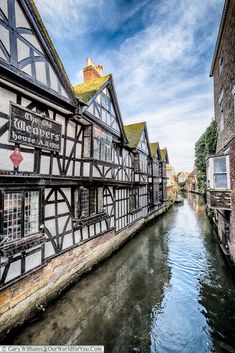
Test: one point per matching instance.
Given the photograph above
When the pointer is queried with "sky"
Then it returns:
(159, 53)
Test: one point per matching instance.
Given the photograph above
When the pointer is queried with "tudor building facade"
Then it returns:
(221, 166)
(70, 171)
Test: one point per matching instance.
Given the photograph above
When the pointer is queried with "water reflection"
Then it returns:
(168, 290)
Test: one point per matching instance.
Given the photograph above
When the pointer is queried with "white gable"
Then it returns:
(20, 47)
(103, 109)
(143, 144)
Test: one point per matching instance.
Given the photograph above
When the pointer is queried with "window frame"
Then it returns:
(211, 172)
(40, 214)
(134, 193)
(78, 207)
(102, 145)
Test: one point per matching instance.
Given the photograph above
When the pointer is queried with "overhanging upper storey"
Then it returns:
(101, 104)
(27, 52)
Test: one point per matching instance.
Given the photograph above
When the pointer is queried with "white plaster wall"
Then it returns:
(14, 270)
(6, 97)
(32, 261)
(45, 165)
(41, 72)
(27, 163)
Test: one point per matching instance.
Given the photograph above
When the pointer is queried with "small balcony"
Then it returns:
(218, 182)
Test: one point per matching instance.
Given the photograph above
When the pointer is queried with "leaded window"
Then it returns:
(20, 214)
(88, 201)
(143, 163)
(134, 199)
(102, 145)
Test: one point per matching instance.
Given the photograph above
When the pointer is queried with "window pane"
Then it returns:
(100, 200)
(92, 200)
(12, 216)
(220, 165)
(96, 153)
(31, 212)
(109, 153)
(220, 181)
(77, 204)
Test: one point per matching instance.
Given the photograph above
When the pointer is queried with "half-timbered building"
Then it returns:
(75, 183)
(154, 176)
(163, 175)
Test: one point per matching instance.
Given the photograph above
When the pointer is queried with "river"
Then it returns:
(167, 290)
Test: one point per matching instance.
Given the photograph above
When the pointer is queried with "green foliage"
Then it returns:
(205, 146)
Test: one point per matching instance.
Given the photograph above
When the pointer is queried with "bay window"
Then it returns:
(102, 146)
(21, 216)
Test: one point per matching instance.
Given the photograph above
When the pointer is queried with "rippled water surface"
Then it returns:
(168, 290)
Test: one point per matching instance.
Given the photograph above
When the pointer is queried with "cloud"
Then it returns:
(160, 70)
(162, 75)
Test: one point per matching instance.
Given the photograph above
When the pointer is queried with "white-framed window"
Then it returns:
(21, 214)
(218, 173)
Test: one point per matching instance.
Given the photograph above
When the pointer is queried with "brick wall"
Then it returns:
(225, 81)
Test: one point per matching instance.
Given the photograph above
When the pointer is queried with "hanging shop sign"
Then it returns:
(29, 128)
(16, 157)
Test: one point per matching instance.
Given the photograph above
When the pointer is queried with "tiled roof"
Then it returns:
(133, 133)
(86, 90)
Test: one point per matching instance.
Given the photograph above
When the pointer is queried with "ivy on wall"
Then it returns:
(205, 146)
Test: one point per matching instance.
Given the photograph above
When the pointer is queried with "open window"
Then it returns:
(218, 173)
(21, 214)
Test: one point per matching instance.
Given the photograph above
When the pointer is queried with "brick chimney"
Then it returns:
(90, 72)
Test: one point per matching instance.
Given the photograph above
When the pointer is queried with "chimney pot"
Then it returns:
(90, 72)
